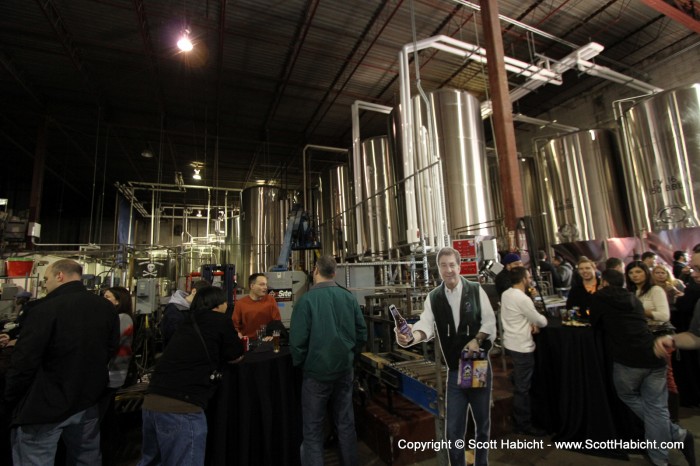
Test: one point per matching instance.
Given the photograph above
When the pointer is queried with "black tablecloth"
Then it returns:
(255, 417)
(572, 390)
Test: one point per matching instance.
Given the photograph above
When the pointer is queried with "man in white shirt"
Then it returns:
(520, 321)
(460, 313)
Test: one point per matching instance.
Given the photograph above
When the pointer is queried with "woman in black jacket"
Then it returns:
(174, 423)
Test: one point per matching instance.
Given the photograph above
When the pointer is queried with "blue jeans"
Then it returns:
(314, 399)
(644, 392)
(173, 439)
(36, 443)
(523, 368)
(457, 402)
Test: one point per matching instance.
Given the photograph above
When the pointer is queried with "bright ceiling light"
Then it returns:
(147, 154)
(184, 43)
(199, 213)
(196, 175)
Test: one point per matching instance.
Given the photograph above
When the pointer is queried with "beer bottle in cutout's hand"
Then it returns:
(401, 324)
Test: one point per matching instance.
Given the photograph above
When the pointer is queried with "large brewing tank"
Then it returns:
(336, 212)
(379, 197)
(662, 137)
(406, 223)
(532, 200)
(581, 186)
(233, 241)
(263, 220)
(458, 142)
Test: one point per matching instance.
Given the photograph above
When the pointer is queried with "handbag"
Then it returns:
(215, 375)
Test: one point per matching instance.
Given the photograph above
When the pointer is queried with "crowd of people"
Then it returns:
(73, 352)
(630, 303)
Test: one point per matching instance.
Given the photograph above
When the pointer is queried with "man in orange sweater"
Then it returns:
(256, 309)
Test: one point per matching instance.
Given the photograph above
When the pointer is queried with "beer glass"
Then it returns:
(276, 341)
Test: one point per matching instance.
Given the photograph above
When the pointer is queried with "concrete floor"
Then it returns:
(689, 419)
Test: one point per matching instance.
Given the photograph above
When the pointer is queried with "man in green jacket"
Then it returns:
(327, 331)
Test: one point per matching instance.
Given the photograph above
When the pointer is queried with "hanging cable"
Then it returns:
(94, 172)
(101, 208)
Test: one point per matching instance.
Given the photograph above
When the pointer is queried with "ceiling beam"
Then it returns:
(365, 41)
(303, 27)
(675, 14)
(56, 20)
(151, 56)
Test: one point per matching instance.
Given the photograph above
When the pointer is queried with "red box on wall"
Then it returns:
(468, 268)
(466, 247)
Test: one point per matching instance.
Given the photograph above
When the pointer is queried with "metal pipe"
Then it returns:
(539, 122)
(153, 213)
(208, 211)
(517, 23)
(357, 161)
(303, 163)
(611, 75)
(131, 220)
(144, 185)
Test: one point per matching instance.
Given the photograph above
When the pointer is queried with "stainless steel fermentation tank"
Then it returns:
(581, 186)
(662, 138)
(379, 198)
(453, 188)
(263, 220)
(333, 206)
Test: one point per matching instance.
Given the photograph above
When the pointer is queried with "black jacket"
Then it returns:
(182, 372)
(59, 366)
(579, 296)
(502, 282)
(621, 316)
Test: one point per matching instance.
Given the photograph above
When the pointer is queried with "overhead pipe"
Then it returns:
(357, 161)
(567, 63)
(611, 75)
(303, 162)
(538, 122)
(578, 59)
(156, 186)
(467, 51)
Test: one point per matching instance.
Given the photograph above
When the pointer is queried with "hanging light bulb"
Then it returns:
(199, 213)
(184, 43)
(196, 175)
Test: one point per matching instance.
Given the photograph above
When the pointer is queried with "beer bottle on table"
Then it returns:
(401, 324)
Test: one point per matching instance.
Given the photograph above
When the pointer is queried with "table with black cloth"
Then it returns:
(255, 417)
(572, 389)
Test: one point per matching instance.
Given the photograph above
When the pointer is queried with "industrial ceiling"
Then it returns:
(95, 83)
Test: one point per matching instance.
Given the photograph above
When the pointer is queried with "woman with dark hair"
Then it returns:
(119, 365)
(653, 297)
(110, 435)
(184, 380)
(656, 308)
